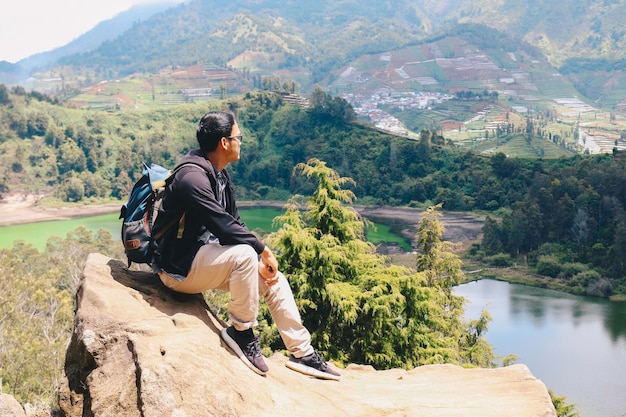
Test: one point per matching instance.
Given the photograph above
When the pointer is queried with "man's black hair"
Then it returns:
(212, 127)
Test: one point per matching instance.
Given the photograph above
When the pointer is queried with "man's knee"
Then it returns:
(280, 289)
(249, 252)
(247, 256)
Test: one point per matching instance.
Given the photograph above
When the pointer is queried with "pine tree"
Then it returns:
(358, 307)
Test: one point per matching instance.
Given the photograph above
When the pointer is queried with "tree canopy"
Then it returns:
(37, 307)
(360, 308)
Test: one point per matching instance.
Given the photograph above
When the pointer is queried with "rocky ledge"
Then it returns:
(138, 349)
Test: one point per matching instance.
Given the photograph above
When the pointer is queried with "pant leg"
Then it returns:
(285, 314)
(233, 268)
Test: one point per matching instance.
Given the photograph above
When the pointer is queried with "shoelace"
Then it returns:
(252, 348)
(317, 362)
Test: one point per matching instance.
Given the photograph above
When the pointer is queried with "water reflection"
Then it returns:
(578, 310)
(522, 303)
(615, 319)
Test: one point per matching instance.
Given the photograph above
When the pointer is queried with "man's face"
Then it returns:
(234, 144)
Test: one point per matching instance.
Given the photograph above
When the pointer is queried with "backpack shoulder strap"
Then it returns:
(186, 164)
(159, 186)
(181, 219)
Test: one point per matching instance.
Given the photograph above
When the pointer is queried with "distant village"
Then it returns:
(370, 108)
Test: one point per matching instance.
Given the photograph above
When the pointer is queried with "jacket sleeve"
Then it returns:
(195, 190)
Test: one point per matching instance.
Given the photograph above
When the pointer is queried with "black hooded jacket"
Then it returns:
(192, 192)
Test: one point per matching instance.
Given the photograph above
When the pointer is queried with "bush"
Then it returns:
(72, 190)
(474, 250)
(600, 288)
(585, 278)
(570, 269)
(548, 265)
(499, 260)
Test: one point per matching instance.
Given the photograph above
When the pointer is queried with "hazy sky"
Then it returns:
(31, 26)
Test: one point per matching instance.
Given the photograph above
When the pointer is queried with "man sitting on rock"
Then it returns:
(215, 250)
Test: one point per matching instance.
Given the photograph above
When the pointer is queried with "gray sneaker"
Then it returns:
(246, 346)
(312, 365)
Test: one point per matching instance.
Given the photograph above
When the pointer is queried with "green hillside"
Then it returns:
(562, 30)
(568, 210)
(308, 42)
(413, 48)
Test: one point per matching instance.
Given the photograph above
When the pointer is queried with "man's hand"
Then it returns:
(268, 267)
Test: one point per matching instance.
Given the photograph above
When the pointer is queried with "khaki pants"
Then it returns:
(235, 269)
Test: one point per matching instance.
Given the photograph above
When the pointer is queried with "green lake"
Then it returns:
(37, 234)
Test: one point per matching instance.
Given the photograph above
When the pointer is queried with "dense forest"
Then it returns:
(565, 217)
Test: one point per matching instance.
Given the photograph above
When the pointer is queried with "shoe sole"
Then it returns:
(237, 351)
(307, 370)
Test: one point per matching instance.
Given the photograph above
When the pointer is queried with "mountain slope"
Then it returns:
(291, 35)
(562, 30)
(571, 28)
(308, 41)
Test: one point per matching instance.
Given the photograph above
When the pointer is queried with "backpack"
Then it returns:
(140, 212)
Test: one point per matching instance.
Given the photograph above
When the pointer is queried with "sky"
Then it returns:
(28, 27)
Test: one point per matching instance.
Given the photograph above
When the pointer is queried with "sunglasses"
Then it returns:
(238, 137)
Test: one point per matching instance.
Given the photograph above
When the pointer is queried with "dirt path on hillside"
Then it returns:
(459, 227)
(24, 209)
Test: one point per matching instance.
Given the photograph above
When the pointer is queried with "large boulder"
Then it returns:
(9, 407)
(137, 349)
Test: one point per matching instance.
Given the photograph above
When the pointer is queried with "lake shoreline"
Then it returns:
(25, 209)
(460, 227)
(23, 213)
